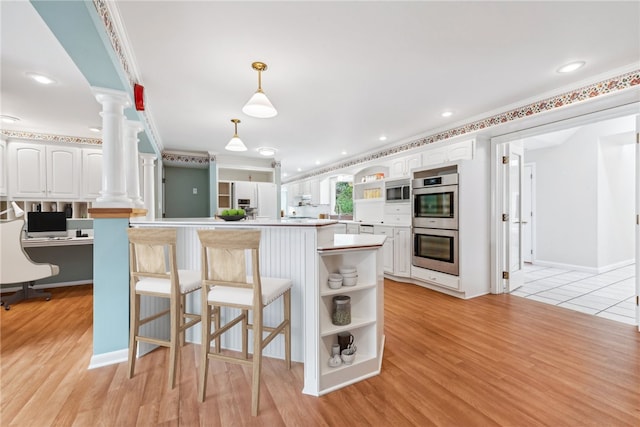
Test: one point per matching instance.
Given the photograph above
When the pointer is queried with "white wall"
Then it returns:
(574, 181)
(616, 197)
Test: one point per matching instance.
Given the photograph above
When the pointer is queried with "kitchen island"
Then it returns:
(305, 251)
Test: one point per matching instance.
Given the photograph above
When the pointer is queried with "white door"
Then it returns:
(527, 213)
(513, 169)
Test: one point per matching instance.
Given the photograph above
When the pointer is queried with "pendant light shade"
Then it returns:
(235, 144)
(259, 105)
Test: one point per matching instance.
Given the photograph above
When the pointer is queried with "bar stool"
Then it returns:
(154, 272)
(225, 283)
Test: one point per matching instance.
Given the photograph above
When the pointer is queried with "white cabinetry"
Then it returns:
(448, 153)
(325, 192)
(44, 171)
(387, 248)
(91, 172)
(402, 251)
(396, 250)
(366, 326)
(402, 167)
(3, 168)
(397, 214)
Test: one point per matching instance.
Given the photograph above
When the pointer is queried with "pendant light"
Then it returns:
(235, 144)
(259, 105)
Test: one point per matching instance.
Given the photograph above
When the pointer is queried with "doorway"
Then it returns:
(582, 229)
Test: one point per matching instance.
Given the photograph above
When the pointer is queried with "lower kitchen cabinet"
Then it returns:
(387, 248)
(402, 251)
(396, 250)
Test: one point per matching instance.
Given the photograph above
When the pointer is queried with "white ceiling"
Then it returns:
(341, 74)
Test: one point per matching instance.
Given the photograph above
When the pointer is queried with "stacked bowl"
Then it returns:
(335, 281)
(349, 275)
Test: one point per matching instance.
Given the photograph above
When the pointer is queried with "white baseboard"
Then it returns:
(111, 358)
(592, 270)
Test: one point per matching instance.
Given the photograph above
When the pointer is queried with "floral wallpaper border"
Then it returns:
(614, 84)
(45, 137)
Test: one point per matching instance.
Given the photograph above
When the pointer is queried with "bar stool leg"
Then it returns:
(134, 326)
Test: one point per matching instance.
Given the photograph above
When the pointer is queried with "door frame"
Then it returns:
(532, 202)
(497, 247)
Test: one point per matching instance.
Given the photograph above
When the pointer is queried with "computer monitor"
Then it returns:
(46, 224)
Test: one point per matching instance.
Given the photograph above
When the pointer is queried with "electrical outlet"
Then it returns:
(195, 190)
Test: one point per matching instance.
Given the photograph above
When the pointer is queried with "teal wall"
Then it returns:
(180, 202)
(110, 285)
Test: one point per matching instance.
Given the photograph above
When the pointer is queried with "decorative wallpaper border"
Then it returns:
(187, 160)
(614, 84)
(45, 137)
(104, 11)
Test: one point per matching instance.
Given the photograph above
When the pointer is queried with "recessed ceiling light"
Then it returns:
(299, 169)
(343, 152)
(41, 78)
(9, 119)
(267, 151)
(285, 174)
(317, 162)
(447, 114)
(95, 129)
(571, 67)
(383, 138)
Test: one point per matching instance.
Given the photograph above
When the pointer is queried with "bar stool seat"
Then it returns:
(189, 281)
(272, 289)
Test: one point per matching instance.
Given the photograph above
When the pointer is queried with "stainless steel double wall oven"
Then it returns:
(435, 223)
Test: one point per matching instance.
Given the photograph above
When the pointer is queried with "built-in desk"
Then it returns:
(38, 242)
(73, 255)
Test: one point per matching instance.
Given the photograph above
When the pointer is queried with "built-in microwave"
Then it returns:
(398, 191)
(435, 202)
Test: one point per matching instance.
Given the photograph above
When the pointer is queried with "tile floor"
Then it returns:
(610, 295)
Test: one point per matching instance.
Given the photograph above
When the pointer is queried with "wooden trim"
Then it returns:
(117, 212)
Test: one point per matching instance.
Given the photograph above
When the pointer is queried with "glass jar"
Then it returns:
(341, 310)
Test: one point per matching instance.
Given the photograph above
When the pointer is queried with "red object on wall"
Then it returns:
(138, 96)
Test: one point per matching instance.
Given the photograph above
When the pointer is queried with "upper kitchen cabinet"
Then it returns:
(91, 172)
(320, 190)
(3, 167)
(44, 171)
(402, 167)
(448, 153)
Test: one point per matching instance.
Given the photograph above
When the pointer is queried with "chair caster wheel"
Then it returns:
(6, 307)
(48, 299)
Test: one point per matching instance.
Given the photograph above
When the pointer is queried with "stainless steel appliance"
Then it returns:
(435, 202)
(436, 249)
(397, 191)
(435, 223)
(249, 211)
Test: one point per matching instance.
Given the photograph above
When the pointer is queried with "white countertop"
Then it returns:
(353, 241)
(280, 222)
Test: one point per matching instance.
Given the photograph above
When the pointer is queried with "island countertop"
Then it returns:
(218, 222)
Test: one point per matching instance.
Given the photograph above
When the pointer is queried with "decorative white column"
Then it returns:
(148, 170)
(131, 130)
(113, 193)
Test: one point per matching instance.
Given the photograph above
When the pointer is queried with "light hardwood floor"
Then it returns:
(492, 360)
